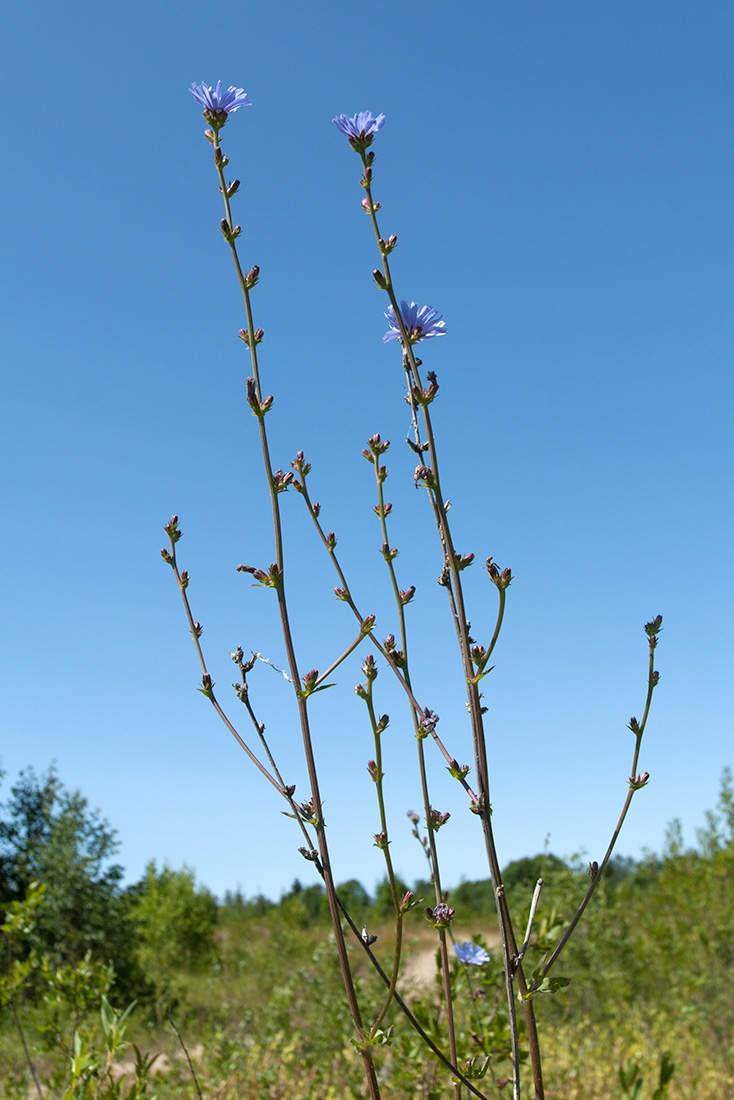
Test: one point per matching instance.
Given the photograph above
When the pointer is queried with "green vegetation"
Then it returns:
(254, 990)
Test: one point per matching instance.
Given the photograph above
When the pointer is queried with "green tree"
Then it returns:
(354, 898)
(175, 921)
(49, 835)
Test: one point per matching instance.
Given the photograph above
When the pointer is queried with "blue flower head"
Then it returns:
(360, 129)
(217, 103)
(471, 953)
(420, 323)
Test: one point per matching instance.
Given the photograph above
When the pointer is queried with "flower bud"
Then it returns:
(379, 279)
(406, 901)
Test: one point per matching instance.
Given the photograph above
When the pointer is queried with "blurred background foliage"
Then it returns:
(254, 989)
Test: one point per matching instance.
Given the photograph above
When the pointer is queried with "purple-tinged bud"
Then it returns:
(224, 227)
(369, 668)
(368, 455)
(166, 556)
(413, 816)
(171, 529)
(381, 840)
(251, 389)
(360, 690)
(367, 624)
(501, 580)
(634, 725)
(424, 474)
(654, 627)
(289, 790)
(184, 580)
(457, 770)
(308, 810)
(300, 465)
(392, 240)
(281, 481)
(316, 508)
(593, 870)
(198, 630)
(389, 643)
(379, 279)
(207, 686)
(655, 679)
(463, 561)
(330, 540)
(309, 680)
(406, 901)
(340, 593)
(372, 769)
(381, 474)
(233, 188)
(376, 444)
(640, 782)
(407, 595)
(382, 724)
(389, 553)
(209, 135)
(252, 277)
(437, 819)
(373, 208)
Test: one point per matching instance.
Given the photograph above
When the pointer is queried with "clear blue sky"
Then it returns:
(560, 180)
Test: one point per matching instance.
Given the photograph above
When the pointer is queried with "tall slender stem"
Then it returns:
(279, 584)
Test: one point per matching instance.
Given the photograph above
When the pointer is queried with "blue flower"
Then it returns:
(421, 323)
(360, 129)
(471, 953)
(216, 101)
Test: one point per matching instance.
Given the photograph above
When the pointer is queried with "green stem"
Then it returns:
(435, 873)
(293, 667)
(509, 946)
(651, 683)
